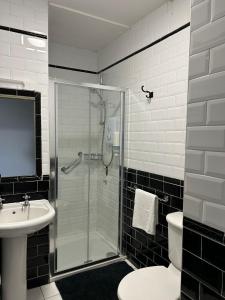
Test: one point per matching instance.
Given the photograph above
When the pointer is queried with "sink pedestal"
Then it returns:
(14, 268)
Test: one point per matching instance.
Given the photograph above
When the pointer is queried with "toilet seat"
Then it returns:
(151, 283)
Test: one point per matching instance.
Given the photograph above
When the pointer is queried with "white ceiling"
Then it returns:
(92, 24)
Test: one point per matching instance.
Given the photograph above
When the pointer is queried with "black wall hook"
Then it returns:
(149, 95)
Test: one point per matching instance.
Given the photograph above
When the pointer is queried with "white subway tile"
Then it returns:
(216, 112)
(195, 2)
(206, 138)
(194, 161)
(213, 215)
(217, 59)
(199, 64)
(205, 188)
(192, 208)
(208, 36)
(200, 14)
(215, 164)
(196, 114)
(218, 9)
(207, 87)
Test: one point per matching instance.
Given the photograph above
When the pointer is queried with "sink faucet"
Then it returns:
(26, 200)
(1, 202)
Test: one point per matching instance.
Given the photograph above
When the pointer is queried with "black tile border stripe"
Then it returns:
(126, 57)
(147, 46)
(30, 33)
(73, 69)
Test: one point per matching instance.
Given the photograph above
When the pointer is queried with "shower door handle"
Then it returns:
(73, 164)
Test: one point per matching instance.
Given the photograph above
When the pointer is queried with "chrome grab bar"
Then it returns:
(68, 168)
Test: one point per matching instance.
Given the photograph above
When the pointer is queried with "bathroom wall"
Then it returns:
(73, 58)
(155, 132)
(24, 57)
(24, 53)
(204, 199)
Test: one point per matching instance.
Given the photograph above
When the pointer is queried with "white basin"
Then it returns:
(17, 220)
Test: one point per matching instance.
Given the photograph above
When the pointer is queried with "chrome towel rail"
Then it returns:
(165, 199)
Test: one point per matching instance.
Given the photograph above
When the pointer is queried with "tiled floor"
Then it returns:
(45, 292)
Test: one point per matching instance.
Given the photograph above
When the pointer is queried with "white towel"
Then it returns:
(145, 211)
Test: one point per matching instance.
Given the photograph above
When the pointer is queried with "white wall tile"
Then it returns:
(217, 59)
(206, 138)
(218, 9)
(155, 135)
(194, 161)
(215, 164)
(195, 2)
(196, 114)
(193, 208)
(205, 188)
(200, 14)
(213, 215)
(19, 63)
(199, 64)
(216, 112)
(208, 36)
(207, 87)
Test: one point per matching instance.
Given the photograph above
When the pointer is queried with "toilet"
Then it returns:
(158, 283)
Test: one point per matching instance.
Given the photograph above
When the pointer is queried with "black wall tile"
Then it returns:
(192, 241)
(190, 286)
(214, 253)
(202, 271)
(208, 294)
(141, 248)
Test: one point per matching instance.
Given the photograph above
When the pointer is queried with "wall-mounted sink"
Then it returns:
(16, 222)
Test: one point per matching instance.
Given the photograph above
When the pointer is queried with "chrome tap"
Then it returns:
(26, 200)
(1, 202)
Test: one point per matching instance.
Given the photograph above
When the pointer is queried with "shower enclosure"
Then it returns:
(86, 158)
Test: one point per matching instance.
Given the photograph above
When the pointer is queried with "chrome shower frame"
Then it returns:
(53, 192)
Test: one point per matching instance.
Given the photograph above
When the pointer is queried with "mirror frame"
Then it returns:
(36, 97)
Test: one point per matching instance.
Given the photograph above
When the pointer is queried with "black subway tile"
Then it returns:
(156, 184)
(25, 187)
(192, 242)
(172, 180)
(156, 176)
(214, 253)
(43, 185)
(204, 230)
(202, 271)
(6, 188)
(190, 286)
(172, 189)
(143, 180)
(208, 294)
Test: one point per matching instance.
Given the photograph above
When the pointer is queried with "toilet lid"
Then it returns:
(152, 283)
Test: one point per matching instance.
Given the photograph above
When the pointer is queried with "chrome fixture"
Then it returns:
(1, 202)
(165, 198)
(26, 200)
(73, 164)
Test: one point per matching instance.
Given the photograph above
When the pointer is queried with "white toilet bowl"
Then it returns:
(158, 283)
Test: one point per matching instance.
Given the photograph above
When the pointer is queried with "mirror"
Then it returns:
(17, 136)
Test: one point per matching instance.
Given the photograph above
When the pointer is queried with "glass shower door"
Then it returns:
(72, 108)
(105, 120)
(87, 191)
